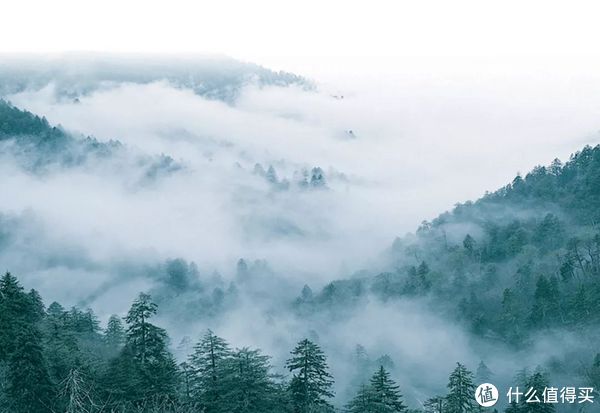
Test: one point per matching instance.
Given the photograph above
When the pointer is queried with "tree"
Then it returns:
(436, 404)
(538, 382)
(138, 330)
(29, 386)
(77, 393)
(361, 403)
(461, 391)
(483, 373)
(145, 369)
(546, 304)
(469, 244)
(249, 386)
(311, 383)
(16, 311)
(385, 394)
(208, 364)
(317, 178)
(114, 335)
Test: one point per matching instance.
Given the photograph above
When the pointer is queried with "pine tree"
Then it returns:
(483, 374)
(385, 394)
(208, 363)
(317, 178)
(249, 387)
(461, 391)
(29, 386)
(546, 305)
(138, 330)
(114, 336)
(311, 383)
(361, 403)
(145, 368)
(37, 306)
(16, 310)
(435, 404)
(538, 382)
(469, 244)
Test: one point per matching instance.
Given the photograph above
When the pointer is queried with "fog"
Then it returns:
(395, 149)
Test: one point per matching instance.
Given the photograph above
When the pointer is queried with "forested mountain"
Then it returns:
(518, 259)
(38, 147)
(216, 77)
(54, 359)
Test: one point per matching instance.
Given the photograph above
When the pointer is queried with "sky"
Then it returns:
(297, 35)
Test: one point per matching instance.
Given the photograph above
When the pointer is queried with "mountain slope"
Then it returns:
(519, 261)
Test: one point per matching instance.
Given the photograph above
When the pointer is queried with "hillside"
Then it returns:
(36, 146)
(519, 260)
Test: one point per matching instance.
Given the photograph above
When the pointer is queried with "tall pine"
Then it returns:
(311, 382)
(461, 391)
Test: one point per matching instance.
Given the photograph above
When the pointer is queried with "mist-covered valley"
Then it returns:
(270, 208)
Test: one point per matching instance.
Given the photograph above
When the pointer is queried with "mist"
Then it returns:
(393, 150)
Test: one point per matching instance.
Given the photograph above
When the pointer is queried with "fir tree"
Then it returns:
(145, 369)
(435, 404)
(208, 364)
(362, 402)
(311, 383)
(16, 311)
(536, 382)
(483, 373)
(461, 391)
(29, 386)
(249, 385)
(114, 336)
(385, 394)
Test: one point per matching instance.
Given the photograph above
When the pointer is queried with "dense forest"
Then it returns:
(60, 360)
(516, 268)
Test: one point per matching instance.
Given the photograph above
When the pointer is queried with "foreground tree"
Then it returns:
(461, 391)
(145, 369)
(385, 394)
(436, 404)
(311, 382)
(361, 403)
(249, 385)
(208, 362)
(16, 311)
(29, 386)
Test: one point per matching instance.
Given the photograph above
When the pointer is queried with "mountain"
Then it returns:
(520, 260)
(37, 146)
(215, 77)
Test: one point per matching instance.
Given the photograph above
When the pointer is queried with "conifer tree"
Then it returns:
(249, 386)
(208, 364)
(361, 403)
(145, 370)
(385, 394)
(114, 336)
(538, 382)
(311, 383)
(546, 305)
(436, 404)
(483, 374)
(29, 387)
(461, 391)
(16, 310)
